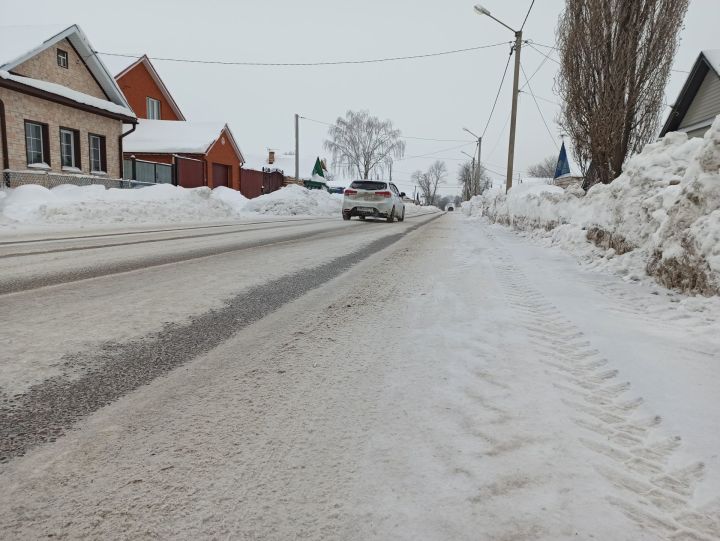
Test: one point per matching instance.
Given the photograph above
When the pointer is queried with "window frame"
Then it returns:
(75, 147)
(62, 54)
(102, 150)
(44, 143)
(152, 101)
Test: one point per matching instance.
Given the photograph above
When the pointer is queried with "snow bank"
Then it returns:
(660, 217)
(296, 200)
(33, 205)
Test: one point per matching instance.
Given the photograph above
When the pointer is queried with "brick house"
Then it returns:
(61, 112)
(197, 153)
(146, 92)
(201, 153)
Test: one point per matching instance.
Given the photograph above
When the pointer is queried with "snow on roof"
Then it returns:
(20, 42)
(284, 161)
(713, 57)
(65, 92)
(17, 41)
(172, 136)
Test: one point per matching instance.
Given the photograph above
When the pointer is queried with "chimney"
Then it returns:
(271, 157)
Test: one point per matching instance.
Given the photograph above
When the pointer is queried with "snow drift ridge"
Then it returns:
(663, 210)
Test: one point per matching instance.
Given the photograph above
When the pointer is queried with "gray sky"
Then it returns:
(431, 98)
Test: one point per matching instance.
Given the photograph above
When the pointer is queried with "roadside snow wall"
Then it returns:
(33, 205)
(663, 211)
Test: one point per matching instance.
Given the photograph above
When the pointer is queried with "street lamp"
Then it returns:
(513, 119)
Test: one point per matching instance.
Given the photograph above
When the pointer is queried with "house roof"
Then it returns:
(20, 43)
(707, 61)
(172, 137)
(145, 61)
(69, 94)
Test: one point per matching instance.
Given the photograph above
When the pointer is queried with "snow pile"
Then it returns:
(69, 204)
(296, 200)
(33, 205)
(411, 209)
(660, 217)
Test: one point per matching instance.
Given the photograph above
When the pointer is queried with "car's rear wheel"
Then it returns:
(391, 216)
(402, 218)
(362, 217)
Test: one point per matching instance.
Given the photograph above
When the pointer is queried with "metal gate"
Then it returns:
(189, 173)
(220, 175)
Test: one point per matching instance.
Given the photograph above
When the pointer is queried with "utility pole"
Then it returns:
(518, 44)
(297, 147)
(513, 118)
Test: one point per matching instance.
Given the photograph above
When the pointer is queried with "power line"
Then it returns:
(542, 53)
(544, 99)
(538, 108)
(559, 49)
(527, 80)
(437, 152)
(502, 81)
(318, 63)
(527, 15)
(401, 137)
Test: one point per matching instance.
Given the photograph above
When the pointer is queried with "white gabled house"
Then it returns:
(699, 101)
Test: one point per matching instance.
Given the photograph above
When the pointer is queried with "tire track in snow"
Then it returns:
(656, 497)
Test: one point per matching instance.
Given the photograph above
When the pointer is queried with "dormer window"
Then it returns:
(62, 58)
(153, 109)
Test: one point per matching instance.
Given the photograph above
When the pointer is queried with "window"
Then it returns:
(36, 143)
(62, 59)
(369, 185)
(98, 157)
(69, 148)
(153, 109)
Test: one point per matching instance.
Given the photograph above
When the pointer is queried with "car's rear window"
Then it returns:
(368, 185)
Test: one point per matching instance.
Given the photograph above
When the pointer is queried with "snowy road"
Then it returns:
(454, 382)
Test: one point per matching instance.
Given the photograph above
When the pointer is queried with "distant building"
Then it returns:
(699, 101)
(262, 175)
(167, 148)
(61, 112)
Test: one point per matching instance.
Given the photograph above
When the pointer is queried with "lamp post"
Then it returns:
(466, 188)
(513, 119)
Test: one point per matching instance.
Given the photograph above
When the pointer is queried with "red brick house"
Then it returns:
(202, 153)
(194, 153)
(146, 93)
(61, 112)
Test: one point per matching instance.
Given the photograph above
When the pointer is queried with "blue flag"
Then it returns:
(563, 166)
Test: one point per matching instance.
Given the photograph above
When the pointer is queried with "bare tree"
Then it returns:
(544, 169)
(364, 144)
(474, 181)
(615, 61)
(430, 180)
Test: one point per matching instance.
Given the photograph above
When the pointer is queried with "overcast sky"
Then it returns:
(428, 98)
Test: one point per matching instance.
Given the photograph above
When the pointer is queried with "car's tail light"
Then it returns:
(384, 194)
(350, 192)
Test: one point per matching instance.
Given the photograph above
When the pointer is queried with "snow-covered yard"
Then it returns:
(661, 217)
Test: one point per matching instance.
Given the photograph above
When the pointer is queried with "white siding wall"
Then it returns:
(706, 104)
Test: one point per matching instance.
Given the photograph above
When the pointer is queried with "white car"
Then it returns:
(374, 198)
